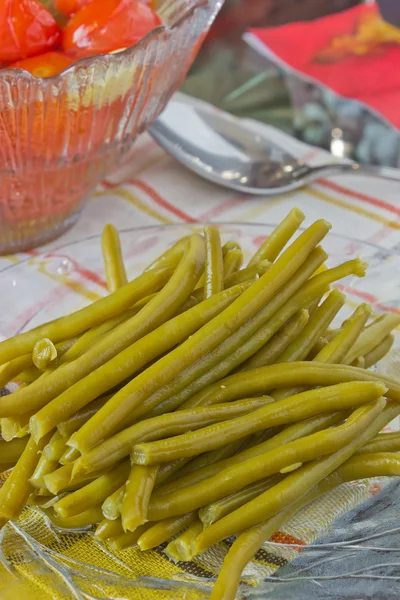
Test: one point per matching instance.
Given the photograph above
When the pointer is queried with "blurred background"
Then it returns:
(232, 75)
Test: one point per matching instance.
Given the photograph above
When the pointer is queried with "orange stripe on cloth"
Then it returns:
(351, 207)
(135, 201)
(155, 196)
(360, 196)
(280, 537)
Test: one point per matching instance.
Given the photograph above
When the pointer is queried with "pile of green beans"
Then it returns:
(201, 400)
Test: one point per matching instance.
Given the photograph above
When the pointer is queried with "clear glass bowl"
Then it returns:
(60, 136)
(352, 537)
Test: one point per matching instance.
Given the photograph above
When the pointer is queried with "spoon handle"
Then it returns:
(388, 173)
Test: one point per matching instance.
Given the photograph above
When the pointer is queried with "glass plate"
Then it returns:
(353, 548)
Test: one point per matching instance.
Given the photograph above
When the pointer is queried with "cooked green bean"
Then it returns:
(16, 489)
(15, 427)
(232, 262)
(11, 451)
(372, 336)
(116, 447)
(293, 487)
(377, 353)
(236, 477)
(247, 274)
(384, 442)
(60, 479)
(336, 349)
(280, 236)
(270, 352)
(132, 359)
(211, 513)
(113, 260)
(264, 379)
(210, 458)
(179, 549)
(298, 407)
(171, 257)
(139, 488)
(111, 506)
(69, 456)
(94, 493)
(249, 542)
(56, 447)
(68, 427)
(317, 324)
(164, 530)
(10, 370)
(43, 354)
(108, 529)
(364, 466)
(214, 269)
(287, 435)
(89, 316)
(202, 341)
(127, 540)
(247, 345)
(44, 467)
(91, 516)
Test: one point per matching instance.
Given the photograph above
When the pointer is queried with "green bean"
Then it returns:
(10, 370)
(250, 344)
(372, 336)
(240, 345)
(232, 262)
(111, 506)
(81, 320)
(93, 493)
(210, 458)
(11, 451)
(278, 239)
(108, 529)
(75, 422)
(56, 447)
(384, 442)
(211, 513)
(364, 466)
(127, 540)
(293, 487)
(44, 467)
(139, 488)
(179, 549)
(249, 542)
(298, 407)
(132, 359)
(69, 456)
(202, 341)
(318, 323)
(171, 257)
(43, 354)
(288, 434)
(113, 260)
(214, 269)
(247, 274)
(17, 427)
(264, 379)
(16, 489)
(91, 516)
(118, 446)
(377, 353)
(270, 352)
(60, 479)
(234, 478)
(162, 531)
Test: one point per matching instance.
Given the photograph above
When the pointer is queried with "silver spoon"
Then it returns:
(220, 148)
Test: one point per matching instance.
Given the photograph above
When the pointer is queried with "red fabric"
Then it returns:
(373, 77)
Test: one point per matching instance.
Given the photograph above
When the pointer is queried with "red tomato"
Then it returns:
(26, 28)
(106, 25)
(44, 65)
(70, 7)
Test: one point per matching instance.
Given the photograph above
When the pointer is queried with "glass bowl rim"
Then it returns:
(88, 61)
(171, 226)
